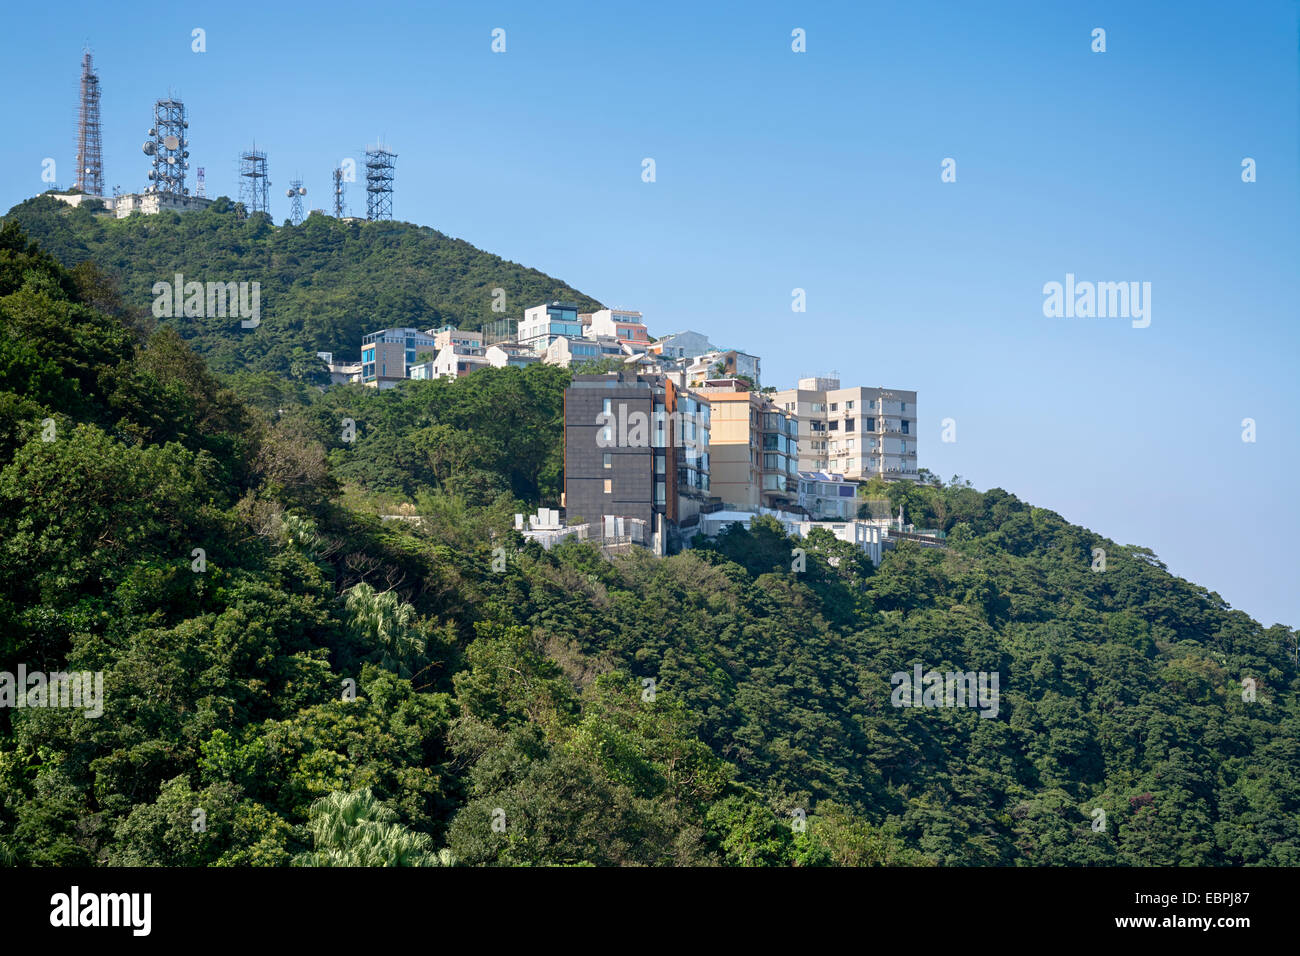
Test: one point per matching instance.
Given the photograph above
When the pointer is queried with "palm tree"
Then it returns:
(382, 621)
(301, 533)
(356, 829)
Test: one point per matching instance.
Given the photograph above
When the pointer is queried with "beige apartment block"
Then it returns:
(855, 432)
(752, 447)
(450, 335)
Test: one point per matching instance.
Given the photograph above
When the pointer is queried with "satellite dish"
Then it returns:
(302, 190)
(148, 149)
(288, 192)
(186, 124)
(152, 131)
(171, 160)
(151, 174)
(186, 154)
(171, 142)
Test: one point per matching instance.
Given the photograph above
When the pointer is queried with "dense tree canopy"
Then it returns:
(323, 284)
(310, 656)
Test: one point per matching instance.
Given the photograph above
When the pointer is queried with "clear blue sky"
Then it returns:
(820, 170)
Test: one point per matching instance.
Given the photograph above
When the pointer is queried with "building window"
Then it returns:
(605, 408)
(608, 460)
(905, 424)
(848, 406)
(609, 486)
(848, 424)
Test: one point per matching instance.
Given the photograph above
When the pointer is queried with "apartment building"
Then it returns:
(722, 363)
(386, 355)
(636, 448)
(543, 324)
(682, 346)
(449, 335)
(828, 497)
(857, 432)
(620, 324)
(509, 355)
(753, 447)
(341, 373)
(457, 360)
(568, 351)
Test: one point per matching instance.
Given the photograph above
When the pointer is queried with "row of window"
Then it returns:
(818, 407)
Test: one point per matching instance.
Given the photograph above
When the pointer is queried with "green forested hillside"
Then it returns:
(332, 688)
(324, 283)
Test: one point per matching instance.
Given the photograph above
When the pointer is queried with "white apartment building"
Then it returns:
(543, 324)
(683, 346)
(621, 324)
(828, 496)
(857, 432)
(569, 351)
(722, 363)
(452, 361)
(510, 354)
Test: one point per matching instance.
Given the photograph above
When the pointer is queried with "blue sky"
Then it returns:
(820, 171)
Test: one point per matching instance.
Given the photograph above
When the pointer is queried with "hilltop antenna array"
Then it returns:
(295, 193)
(338, 192)
(380, 164)
(90, 153)
(254, 184)
(169, 146)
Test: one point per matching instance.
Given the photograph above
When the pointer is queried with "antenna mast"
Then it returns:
(169, 146)
(338, 192)
(254, 184)
(295, 193)
(380, 164)
(90, 153)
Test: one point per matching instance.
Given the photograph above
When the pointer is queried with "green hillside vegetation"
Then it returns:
(337, 688)
(324, 284)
